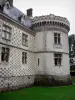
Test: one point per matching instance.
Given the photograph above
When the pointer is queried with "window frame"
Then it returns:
(57, 38)
(24, 39)
(58, 59)
(5, 54)
(24, 57)
(6, 32)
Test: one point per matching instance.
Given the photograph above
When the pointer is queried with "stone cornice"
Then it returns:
(51, 52)
(9, 45)
(41, 51)
(51, 28)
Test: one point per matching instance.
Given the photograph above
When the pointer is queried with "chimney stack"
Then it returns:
(10, 2)
(30, 12)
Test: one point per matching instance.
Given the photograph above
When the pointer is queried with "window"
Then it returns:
(6, 34)
(38, 61)
(57, 59)
(5, 54)
(25, 39)
(24, 58)
(57, 38)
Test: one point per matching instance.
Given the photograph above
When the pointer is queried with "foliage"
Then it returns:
(73, 79)
(72, 50)
(72, 68)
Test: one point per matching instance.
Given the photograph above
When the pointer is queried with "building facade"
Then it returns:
(33, 50)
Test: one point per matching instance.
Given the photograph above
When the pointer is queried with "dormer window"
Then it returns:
(23, 19)
(7, 4)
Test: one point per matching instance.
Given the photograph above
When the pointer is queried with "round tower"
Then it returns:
(52, 50)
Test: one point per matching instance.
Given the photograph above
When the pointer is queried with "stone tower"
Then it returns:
(52, 50)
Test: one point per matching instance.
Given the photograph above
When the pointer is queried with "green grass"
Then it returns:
(41, 93)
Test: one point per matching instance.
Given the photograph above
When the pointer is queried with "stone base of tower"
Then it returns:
(52, 80)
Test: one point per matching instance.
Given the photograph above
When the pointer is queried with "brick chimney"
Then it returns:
(30, 12)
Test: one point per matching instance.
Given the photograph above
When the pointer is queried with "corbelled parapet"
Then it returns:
(51, 21)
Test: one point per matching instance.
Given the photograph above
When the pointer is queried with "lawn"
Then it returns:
(41, 93)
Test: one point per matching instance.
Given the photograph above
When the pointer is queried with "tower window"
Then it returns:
(57, 38)
(57, 59)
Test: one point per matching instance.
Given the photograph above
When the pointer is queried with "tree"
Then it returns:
(72, 50)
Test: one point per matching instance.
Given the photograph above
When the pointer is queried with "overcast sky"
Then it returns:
(64, 8)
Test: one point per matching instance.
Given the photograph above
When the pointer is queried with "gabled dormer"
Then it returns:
(25, 20)
(7, 5)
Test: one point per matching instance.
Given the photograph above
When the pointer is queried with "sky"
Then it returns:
(64, 8)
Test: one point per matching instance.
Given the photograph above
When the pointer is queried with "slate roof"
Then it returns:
(15, 14)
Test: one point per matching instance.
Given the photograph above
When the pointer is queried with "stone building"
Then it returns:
(33, 50)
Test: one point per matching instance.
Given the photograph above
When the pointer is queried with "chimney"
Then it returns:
(10, 2)
(29, 12)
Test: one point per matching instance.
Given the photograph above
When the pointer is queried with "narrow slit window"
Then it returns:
(24, 58)
(38, 61)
